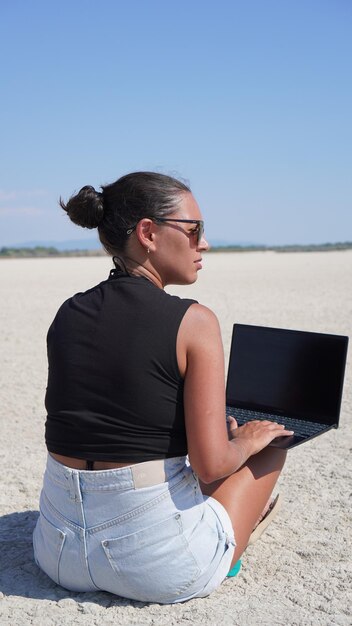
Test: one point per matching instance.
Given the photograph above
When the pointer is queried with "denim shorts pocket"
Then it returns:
(48, 542)
(154, 564)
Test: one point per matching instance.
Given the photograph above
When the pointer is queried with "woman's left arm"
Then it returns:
(201, 360)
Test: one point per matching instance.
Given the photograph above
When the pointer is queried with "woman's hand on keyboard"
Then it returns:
(256, 435)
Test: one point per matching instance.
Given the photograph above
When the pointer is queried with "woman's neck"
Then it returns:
(135, 268)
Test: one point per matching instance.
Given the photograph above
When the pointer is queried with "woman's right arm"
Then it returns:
(200, 355)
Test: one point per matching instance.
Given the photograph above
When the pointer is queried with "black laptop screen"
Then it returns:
(296, 373)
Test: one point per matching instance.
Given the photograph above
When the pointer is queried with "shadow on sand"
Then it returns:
(20, 576)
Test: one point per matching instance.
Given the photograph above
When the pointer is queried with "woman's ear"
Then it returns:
(145, 232)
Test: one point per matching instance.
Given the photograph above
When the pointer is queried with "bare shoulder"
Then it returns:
(198, 314)
(198, 326)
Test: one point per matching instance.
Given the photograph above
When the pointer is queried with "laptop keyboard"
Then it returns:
(300, 427)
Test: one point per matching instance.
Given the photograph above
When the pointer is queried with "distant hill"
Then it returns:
(44, 251)
(222, 243)
(313, 247)
(61, 246)
(91, 247)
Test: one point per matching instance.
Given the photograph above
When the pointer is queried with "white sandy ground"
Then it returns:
(300, 572)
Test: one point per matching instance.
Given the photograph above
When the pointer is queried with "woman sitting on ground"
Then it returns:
(147, 494)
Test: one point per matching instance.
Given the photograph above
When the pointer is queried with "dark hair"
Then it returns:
(122, 204)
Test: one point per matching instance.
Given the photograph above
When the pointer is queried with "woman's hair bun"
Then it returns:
(86, 208)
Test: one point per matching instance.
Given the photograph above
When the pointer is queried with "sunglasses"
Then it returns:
(198, 230)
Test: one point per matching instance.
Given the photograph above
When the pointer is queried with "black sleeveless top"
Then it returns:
(114, 388)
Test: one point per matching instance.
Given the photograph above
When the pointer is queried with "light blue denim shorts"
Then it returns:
(162, 543)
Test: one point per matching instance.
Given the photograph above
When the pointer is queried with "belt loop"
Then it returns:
(74, 486)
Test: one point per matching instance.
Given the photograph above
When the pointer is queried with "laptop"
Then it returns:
(291, 377)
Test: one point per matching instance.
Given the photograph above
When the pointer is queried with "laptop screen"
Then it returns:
(287, 372)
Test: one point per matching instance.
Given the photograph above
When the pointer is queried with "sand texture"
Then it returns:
(300, 572)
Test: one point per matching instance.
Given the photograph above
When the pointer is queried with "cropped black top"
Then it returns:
(114, 388)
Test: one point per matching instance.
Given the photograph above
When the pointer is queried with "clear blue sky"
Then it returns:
(250, 101)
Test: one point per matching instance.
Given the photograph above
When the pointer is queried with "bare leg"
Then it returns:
(245, 493)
